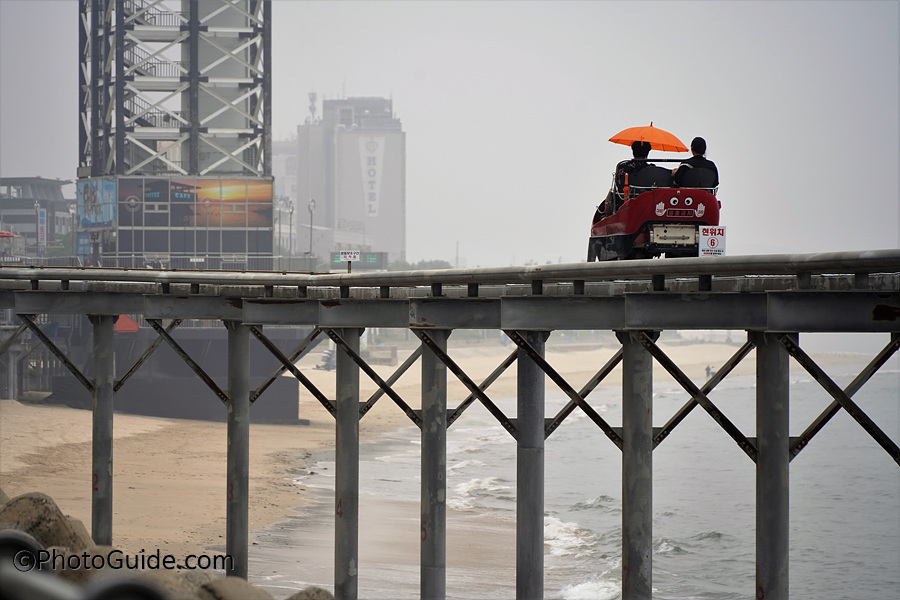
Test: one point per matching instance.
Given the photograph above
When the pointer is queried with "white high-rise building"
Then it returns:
(352, 163)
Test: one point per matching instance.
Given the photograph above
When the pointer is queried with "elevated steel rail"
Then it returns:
(798, 265)
(774, 298)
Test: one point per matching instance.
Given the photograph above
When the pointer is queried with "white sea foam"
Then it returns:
(469, 494)
(567, 539)
(480, 487)
(462, 465)
(599, 589)
(601, 502)
(667, 546)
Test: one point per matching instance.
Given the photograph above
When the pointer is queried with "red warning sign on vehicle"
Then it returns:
(712, 241)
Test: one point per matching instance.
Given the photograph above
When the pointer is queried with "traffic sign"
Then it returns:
(712, 241)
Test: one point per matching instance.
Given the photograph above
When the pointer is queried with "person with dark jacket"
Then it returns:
(614, 199)
(697, 171)
(640, 151)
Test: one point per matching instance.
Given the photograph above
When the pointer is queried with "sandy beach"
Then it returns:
(169, 474)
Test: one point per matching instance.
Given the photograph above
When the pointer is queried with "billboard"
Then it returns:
(240, 203)
(190, 202)
(96, 203)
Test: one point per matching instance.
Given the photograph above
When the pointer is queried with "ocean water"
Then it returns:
(844, 496)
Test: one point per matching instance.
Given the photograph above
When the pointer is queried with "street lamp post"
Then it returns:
(73, 231)
(37, 228)
(291, 232)
(276, 244)
(312, 209)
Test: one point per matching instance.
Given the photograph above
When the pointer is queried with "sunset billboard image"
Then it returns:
(226, 202)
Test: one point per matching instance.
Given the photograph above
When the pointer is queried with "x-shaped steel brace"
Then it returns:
(143, 357)
(196, 368)
(474, 389)
(720, 374)
(395, 376)
(287, 361)
(9, 341)
(413, 415)
(576, 398)
(696, 393)
(28, 321)
(583, 393)
(287, 364)
(842, 397)
(495, 374)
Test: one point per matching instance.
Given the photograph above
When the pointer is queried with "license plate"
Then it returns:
(675, 234)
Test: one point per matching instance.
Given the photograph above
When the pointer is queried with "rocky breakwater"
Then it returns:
(46, 554)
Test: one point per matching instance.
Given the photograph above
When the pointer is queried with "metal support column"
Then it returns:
(194, 89)
(637, 469)
(433, 548)
(237, 524)
(530, 471)
(772, 473)
(267, 94)
(119, 89)
(46, 370)
(346, 485)
(102, 436)
(12, 374)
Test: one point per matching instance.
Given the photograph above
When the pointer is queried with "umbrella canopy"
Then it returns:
(659, 139)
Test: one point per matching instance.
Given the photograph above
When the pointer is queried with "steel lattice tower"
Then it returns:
(175, 87)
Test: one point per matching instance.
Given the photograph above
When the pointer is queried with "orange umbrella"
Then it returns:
(659, 138)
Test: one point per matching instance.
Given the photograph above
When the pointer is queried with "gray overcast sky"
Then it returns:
(508, 107)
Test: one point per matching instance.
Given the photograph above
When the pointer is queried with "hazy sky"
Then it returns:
(508, 107)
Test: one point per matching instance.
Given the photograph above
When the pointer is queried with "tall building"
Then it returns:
(174, 137)
(352, 164)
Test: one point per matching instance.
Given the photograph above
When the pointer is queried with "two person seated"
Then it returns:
(637, 175)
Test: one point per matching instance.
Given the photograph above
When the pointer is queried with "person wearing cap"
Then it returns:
(697, 171)
(640, 151)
